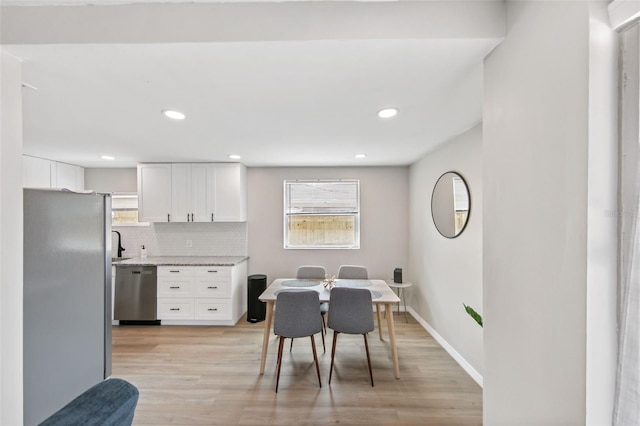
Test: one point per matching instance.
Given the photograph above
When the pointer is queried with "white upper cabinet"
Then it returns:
(42, 173)
(231, 193)
(38, 172)
(181, 192)
(203, 192)
(198, 192)
(192, 189)
(154, 192)
(70, 177)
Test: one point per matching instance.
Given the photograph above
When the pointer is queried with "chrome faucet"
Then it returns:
(120, 248)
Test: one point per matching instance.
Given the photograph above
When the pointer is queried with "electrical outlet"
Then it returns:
(189, 243)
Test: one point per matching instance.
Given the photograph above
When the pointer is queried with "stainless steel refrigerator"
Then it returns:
(67, 297)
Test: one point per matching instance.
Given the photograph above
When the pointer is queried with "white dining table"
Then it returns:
(381, 294)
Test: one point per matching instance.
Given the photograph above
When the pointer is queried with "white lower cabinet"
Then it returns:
(173, 308)
(212, 309)
(208, 295)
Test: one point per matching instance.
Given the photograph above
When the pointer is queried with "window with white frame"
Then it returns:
(322, 214)
(124, 209)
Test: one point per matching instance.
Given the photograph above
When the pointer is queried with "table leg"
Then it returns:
(405, 306)
(267, 331)
(379, 321)
(392, 340)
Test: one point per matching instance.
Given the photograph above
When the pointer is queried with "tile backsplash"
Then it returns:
(173, 239)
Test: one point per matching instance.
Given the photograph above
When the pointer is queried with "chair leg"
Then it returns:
(366, 346)
(291, 345)
(280, 345)
(322, 332)
(315, 358)
(333, 353)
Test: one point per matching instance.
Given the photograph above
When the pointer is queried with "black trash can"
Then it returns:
(256, 310)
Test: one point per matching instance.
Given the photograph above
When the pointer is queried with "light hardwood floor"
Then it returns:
(210, 376)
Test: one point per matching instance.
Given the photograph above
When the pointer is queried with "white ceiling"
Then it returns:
(290, 99)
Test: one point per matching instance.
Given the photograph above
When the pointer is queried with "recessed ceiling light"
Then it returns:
(388, 112)
(176, 115)
(360, 156)
(107, 157)
(234, 156)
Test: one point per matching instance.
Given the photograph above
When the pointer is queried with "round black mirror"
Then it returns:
(450, 204)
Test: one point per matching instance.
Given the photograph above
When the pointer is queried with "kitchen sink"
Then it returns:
(118, 259)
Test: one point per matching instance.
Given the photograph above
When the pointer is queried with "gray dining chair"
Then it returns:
(297, 315)
(354, 272)
(314, 272)
(350, 313)
(311, 272)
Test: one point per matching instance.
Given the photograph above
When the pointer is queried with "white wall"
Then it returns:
(537, 207)
(448, 272)
(383, 228)
(11, 220)
(602, 243)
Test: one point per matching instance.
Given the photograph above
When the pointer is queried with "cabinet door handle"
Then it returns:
(168, 217)
(176, 286)
(213, 287)
(213, 272)
(212, 309)
(192, 218)
(211, 217)
(174, 309)
(175, 272)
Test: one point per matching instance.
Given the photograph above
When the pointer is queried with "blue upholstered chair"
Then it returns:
(111, 402)
(297, 315)
(350, 313)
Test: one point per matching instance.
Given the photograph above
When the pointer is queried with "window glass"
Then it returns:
(322, 214)
(124, 209)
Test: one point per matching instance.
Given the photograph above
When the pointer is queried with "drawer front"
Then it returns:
(213, 289)
(213, 309)
(175, 288)
(220, 273)
(175, 271)
(169, 308)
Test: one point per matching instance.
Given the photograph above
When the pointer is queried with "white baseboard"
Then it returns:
(477, 377)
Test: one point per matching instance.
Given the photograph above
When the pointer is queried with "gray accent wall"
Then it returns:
(384, 223)
(111, 180)
(384, 219)
(447, 272)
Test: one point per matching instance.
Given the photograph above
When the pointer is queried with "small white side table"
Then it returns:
(399, 288)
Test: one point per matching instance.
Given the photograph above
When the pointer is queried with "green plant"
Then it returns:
(476, 316)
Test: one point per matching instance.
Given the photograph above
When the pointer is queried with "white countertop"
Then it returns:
(381, 292)
(183, 261)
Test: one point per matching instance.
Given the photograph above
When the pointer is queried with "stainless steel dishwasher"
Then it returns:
(135, 295)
